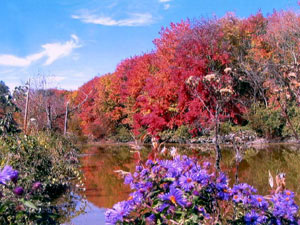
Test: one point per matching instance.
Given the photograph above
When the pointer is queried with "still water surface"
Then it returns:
(104, 188)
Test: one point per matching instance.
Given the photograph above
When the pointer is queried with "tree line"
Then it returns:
(201, 74)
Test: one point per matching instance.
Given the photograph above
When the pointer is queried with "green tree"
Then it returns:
(7, 108)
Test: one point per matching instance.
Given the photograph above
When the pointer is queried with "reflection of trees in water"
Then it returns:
(70, 205)
(105, 188)
(274, 157)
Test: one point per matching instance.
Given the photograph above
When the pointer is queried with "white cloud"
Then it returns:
(56, 78)
(52, 51)
(166, 6)
(135, 19)
(55, 51)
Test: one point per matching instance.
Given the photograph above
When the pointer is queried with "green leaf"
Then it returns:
(3, 208)
(19, 215)
(30, 204)
(195, 218)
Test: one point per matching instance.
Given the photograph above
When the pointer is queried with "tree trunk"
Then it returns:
(218, 150)
(49, 120)
(26, 109)
(66, 119)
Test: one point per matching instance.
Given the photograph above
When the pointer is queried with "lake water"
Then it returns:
(104, 188)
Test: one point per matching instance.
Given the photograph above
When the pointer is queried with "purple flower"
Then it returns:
(139, 168)
(166, 163)
(224, 192)
(284, 206)
(203, 212)
(171, 186)
(175, 196)
(146, 187)
(238, 198)
(289, 193)
(259, 202)
(14, 176)
(149, 163)
(118, 212)
(202, 177)
(196, 193)
(128, 179)
(254, 218)
(189, 204)
(156, 169)
(162, 207)
(244, 188)
(7, 174)
(242, 193)
(186, 181)
(135, 198)
(206, 165)
(19, 191)
(222, 179)
(144, 172)
(151, 219)
(36, 185)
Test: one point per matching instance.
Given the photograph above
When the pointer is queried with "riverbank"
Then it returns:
(249, 138)
(36, 170)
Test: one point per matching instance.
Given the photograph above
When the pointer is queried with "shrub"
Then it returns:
(267, 122)
(225, 128)
(179, 135)
(22, 206)
(47, 159)
(122, 135)
(183, 133)
(294, 115)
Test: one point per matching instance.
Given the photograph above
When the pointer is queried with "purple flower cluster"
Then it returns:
(242, 193)
(118, 212)
(183, 189)
(284, 206)
(8, 174)
(174, 197)
(253, 218)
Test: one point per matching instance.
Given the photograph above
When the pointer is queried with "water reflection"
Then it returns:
(104, 188)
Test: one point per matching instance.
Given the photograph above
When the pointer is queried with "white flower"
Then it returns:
(173, 152)
(227, 70)
(210, 77)
(226, 91)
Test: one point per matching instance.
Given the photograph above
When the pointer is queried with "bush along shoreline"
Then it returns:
(34, 172)
(184, 190)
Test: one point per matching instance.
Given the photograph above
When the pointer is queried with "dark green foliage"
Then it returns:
(294, 115)
(180, 135)
(225, 128)
(7, 108)
(122, 134)
(267, 122)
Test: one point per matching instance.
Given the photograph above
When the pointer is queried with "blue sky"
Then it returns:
(71, 41)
